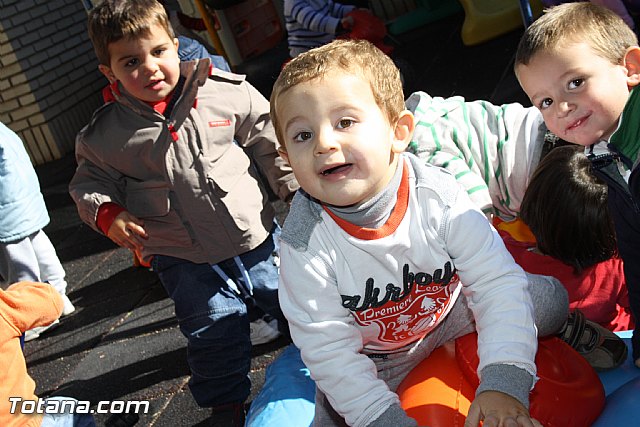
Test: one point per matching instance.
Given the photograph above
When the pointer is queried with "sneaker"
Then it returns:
(67, 306)
(34, 333)
(122, 420)
(262, 332)
(230, 415)
(603, 349)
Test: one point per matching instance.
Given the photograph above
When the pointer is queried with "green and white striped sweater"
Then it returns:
(491, 150)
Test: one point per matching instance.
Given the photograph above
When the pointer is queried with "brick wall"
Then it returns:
(49, 81)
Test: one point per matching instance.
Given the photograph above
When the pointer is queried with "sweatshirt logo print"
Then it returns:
(219, 123)
(405, 312)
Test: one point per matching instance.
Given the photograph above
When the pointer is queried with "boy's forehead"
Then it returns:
(156, 33)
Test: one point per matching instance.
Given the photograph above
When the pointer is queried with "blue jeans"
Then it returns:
(67, 419)
(189, 49)
(213, 317)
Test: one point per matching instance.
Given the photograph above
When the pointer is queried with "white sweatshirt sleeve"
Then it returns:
(495, 288)
(328, 340)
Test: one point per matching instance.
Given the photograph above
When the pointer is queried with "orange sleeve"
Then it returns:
(26, 305)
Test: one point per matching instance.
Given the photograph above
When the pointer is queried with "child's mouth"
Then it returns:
(577, 123)
(156, 85)
(335, 169)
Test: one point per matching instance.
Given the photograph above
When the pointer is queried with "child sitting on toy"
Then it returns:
(384, 258)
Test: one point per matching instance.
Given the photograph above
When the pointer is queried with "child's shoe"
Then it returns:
(263, 330)
(230, 415)
(603, 349)
(122, 420)
(34, 333)
(67, 306)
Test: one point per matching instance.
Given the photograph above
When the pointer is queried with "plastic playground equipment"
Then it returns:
(439, 391)
(487, 19)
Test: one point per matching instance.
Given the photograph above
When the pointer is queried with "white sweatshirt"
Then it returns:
(348, 289)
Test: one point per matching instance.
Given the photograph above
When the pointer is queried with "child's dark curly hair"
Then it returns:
(565, 206)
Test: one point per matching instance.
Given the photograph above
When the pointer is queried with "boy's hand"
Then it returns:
(498, 409)
(347, 22)
(128, 231)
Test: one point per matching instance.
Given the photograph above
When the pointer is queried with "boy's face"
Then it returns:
(339, 143)
(580, 94)
(148, 67)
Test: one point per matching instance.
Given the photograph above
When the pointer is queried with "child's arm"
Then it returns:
(94, 184)
(327, 20)
(491, 150)
(496, 291)
(25, 305)
(323, 329)
(256, 135)
(329, 342)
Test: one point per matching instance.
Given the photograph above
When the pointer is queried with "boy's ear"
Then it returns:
(106, 71)
(632, 64)
(284, 155)
(403, 131)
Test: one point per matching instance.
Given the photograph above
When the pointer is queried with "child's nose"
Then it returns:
(151, 66)
(564, 108)
(325, 143)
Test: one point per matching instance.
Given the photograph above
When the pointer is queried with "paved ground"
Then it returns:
(123, 343)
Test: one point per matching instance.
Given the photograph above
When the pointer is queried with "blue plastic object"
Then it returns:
(287, 398)
(622, 388)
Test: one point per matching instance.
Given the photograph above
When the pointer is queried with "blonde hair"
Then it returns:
(607, 34)
(113, 20)
(356, 56)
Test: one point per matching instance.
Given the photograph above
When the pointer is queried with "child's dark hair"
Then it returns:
(113, 20)
(565, 206)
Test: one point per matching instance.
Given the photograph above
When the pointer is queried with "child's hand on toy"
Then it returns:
(498, 409)
(347, 22)
(127, 231)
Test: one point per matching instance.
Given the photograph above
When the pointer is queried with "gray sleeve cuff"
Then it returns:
(508, 379)
(394, 416)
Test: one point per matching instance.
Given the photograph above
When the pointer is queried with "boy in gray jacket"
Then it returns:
(172, 168)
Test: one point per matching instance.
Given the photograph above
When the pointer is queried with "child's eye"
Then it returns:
(303, 136)
(159, 52)
(131, 63)
(345, 123)
(545, 103)
(573, 84)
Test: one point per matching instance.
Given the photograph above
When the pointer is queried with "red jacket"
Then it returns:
(600, 291)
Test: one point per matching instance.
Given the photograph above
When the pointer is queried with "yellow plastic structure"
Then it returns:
(487, 19)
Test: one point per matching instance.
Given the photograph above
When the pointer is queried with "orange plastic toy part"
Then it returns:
(439, 391)
(568, 393)
(436, 393)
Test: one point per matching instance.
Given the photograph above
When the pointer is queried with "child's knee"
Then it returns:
(550, 302)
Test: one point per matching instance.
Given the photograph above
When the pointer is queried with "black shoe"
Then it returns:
(603, 349)
(122, 420)
(230, 415)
